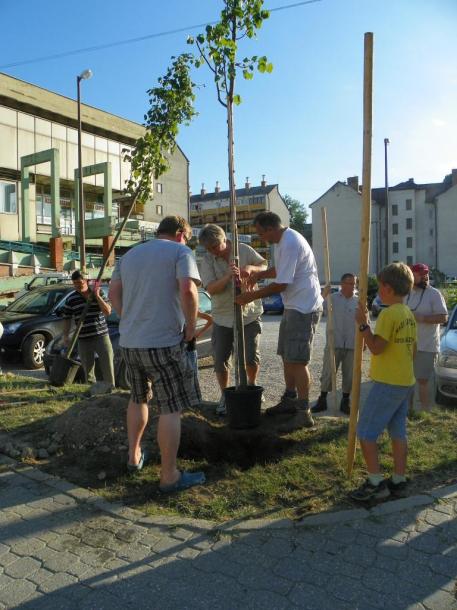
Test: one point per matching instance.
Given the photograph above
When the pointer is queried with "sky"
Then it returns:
(301, 126)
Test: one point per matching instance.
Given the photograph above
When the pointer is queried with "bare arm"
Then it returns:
(375, 343)
(247, 297)
(217, 286)
(115, 295)
(105, 307)
(189, 303)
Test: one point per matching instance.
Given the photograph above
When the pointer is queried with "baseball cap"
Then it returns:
(421, 268)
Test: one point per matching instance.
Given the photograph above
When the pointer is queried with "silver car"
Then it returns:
(446, 367)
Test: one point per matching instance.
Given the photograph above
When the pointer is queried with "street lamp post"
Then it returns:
(82, 232)
(386, 182)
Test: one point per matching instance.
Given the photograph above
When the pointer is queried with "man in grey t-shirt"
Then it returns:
(154, 291)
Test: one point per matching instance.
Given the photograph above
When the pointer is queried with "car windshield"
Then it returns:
(37, 302)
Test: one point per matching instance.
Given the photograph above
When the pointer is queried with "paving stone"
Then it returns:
(40, 576)
(22, 568)
(308, 597)
(27, 547)
(392, 548)
(58, 582)
(436, 517)
(8, 558)
(17, 592)
(360, 554)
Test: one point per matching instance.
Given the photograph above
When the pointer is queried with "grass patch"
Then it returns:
(305, 472)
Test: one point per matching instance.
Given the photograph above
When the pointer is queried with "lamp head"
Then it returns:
(85, 75)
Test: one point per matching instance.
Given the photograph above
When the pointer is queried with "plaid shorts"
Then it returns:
(172, 373)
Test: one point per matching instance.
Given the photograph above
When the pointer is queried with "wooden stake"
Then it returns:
(364, 241)
(330, 321)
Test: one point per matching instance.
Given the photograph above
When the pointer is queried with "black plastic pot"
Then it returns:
(63, 370)
(243, 406)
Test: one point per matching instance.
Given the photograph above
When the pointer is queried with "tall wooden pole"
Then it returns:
(364, 240)
(330, 321)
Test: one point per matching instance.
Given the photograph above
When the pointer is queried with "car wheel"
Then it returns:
(443, 400)
(33, 351)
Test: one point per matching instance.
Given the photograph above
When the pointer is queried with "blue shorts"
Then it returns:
(386, 406)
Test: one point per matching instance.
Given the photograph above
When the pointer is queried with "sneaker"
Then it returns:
(286, 406)
(398, 489)
(367, 491)
(345, 405)
(321, 405)
(221, 408)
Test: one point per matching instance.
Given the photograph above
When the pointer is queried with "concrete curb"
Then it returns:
(232, 527)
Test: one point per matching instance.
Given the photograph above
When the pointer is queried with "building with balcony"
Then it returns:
(214, 208)
(38, 150)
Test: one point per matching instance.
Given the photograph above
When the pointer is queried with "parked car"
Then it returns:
(273, 304)
(377, 306)
(31, 321)
(55, 346)
(44, 279)
(446, 367)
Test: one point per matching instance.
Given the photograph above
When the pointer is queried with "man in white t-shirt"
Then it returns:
(429, 309)
(296, 278)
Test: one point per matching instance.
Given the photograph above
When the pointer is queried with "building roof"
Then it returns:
(32, 99)
(378, 194)
(253, 190)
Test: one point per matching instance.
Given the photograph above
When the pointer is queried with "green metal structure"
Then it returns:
(45, 156)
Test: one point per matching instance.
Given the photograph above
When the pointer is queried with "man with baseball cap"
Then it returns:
(429, 309)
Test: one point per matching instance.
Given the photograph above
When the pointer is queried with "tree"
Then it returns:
(298, 214)
(171, 104)
(218, 50)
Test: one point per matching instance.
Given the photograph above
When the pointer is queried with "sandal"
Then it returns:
(186, 480)
(133, 468)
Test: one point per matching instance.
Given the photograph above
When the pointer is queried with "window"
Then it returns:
(159, 187)
(395, 228)
(409, 204)
(409, 223)
(409, 242)
(395, 247)
(159, 210)
(8, 198)
(394, 209)
(409, 260)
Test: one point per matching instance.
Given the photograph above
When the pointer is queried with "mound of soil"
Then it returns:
(99, 424)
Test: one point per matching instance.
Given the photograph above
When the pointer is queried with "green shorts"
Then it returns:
(296, 335)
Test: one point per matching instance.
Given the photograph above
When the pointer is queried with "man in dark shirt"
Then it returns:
(94, 337)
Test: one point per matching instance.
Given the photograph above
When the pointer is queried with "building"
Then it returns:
(215, 208)
(38, 160)
(422, 224)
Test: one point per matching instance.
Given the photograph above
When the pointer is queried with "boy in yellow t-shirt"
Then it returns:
(392, 345)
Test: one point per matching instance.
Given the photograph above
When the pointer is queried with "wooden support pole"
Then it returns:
(364, 241)
(330, 321)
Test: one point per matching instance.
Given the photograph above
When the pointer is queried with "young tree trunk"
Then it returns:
(238, 328)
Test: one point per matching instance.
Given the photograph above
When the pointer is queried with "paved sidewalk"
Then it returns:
(62, 548)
